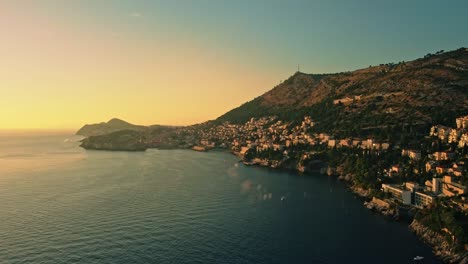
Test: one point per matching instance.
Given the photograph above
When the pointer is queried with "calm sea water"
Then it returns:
(62, 204)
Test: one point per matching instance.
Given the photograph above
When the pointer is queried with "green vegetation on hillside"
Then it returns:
(447, 221)
(381, 101)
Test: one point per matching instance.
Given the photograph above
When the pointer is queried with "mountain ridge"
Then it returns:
(402, 92)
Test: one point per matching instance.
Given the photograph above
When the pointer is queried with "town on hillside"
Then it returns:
(271, 142)
(427, 175)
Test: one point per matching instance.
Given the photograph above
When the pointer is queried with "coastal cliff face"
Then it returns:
(439, 243)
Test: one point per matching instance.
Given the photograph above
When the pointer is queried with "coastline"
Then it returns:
(440, 247)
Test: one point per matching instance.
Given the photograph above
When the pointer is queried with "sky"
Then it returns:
(66, 63)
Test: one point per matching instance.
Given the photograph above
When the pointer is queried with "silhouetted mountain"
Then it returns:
(112, 125)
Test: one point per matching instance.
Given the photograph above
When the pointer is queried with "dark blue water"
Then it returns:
(61, 204)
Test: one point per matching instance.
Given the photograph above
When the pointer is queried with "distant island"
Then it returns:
(119, 135)
(396, 133)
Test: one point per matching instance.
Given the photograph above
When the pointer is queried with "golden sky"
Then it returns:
(60, 73)
(65, 63)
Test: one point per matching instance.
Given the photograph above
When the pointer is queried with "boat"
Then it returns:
(417, 258)
(283, 198)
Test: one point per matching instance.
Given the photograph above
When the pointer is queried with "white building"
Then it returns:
(423, 199)
(409, 193)
(397, 192)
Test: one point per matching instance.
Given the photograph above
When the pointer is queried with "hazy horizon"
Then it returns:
(70, 63)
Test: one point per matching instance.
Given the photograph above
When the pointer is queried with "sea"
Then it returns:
(62, 204)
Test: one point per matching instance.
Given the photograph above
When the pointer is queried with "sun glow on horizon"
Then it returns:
(69, 63)
(62, 74)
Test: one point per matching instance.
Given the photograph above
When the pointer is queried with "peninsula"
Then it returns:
(397, 133)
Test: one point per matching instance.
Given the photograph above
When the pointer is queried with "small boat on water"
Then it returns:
(417, 258)
(283, 198)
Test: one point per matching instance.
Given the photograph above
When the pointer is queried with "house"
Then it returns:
(367, 144)
(430, 165)
(443, 155)
(462, 122)
(278, 147)
(356, 142)
(394, 170)
(457, 172)
(441, 169)
(345, 143)
(412, 154)
(428, 185)
(441, 132)
(263, 147)
(453, 189)
(323, 137)
(311, 141)
(457, 169)
(434, 186)
(463, 141)
(433, 131)
(385, 146)
(454, 135)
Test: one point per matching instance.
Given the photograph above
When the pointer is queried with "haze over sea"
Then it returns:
(62, 204)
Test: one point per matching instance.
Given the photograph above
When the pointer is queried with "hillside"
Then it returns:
(111, 126)
(123, 140)
(433, 89)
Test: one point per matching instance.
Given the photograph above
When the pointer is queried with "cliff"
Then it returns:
(441, 244)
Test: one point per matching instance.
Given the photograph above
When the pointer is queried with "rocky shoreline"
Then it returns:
(440, 245)
(385, 207)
